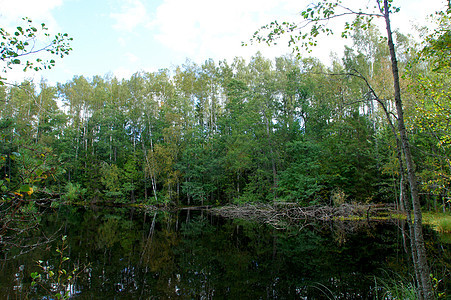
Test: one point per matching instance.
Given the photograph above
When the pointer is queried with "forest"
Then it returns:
(289, 130)
(234, 132)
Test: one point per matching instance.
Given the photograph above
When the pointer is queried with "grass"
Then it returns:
(380, 217)
(395, 287)
(441, 222)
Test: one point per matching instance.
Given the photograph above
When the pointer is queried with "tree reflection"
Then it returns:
(191, 254)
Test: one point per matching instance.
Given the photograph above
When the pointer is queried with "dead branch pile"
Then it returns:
(282, 214)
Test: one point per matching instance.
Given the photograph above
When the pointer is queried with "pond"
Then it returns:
(187, 254)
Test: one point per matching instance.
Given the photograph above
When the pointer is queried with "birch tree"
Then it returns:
(305, 35)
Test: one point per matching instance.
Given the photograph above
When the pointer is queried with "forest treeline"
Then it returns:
(260, 130)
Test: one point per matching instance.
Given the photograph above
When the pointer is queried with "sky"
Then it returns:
(121, 37)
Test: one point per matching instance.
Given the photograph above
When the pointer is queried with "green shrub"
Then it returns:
(74, 192)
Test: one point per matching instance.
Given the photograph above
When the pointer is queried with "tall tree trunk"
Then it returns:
(423, 268)
(271, 150)
(404, 202)
(145, 170)
(152, 172)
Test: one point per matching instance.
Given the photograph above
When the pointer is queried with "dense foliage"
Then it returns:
(240, 131)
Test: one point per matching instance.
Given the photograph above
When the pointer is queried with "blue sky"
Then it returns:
(120, 37)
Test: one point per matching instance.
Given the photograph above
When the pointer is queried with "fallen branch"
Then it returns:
(283, 214)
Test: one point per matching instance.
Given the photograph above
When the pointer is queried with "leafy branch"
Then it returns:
(56, 282)
(314, 22)
(24, 43)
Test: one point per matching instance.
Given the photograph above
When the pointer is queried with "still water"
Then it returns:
(130, 254)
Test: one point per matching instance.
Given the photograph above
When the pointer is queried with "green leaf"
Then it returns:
(24, 188)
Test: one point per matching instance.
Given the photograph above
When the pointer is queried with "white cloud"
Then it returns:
(206, 28)
(122, 41)
(131, 57)
(133, 13)
(200, 29)
(40, 11)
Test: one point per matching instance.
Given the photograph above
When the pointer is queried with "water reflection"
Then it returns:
(189, 254)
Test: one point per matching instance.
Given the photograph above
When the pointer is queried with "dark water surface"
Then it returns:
(129, 254)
